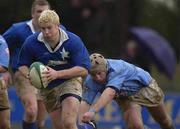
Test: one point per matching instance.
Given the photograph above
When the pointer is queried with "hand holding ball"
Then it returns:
(35, 74)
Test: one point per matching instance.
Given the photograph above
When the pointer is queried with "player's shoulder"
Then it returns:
(20, 24)
(72, 36)
(32, 38)
(2, 41)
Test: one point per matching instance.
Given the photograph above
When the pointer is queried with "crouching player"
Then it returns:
(130, 86)
(4, 78)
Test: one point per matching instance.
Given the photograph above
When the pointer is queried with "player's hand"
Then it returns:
(88, 116)
(49, 75)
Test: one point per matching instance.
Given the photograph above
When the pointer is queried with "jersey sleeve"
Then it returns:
(11, 37)
(4, 53)
(115, 82)
(26, 54)
(79, 54)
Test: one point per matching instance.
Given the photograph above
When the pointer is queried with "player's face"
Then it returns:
(50, 31)
(37, 11)
(99, 77)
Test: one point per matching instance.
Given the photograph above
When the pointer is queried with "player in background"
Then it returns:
(4, 79)
(15, 37)
(67, 60)
(130, 86)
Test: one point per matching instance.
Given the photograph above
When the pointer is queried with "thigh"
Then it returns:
(53, 98)
(159, 113)
(41, 113)
(5, 117)
(70, 108)
(56, 119)
(23, 85)
(132, 114)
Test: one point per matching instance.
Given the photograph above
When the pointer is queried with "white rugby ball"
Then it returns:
(35, 73)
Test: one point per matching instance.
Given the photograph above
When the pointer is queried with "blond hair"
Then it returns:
(49, 16)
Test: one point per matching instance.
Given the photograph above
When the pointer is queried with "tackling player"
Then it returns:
(130, 86)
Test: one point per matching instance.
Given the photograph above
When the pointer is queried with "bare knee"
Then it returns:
(69, 124)
(31, 113)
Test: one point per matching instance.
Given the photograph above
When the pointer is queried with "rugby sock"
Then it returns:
(27, 125)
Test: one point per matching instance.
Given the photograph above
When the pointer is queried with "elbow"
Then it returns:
(112, 95)
(111, 92)
(84, 73)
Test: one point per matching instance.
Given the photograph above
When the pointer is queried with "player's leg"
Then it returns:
(51, 101)
(70, 108)
(56, 119)
(41, 116)
(5, 119)
(27, 94)
(70, 101)
(161, 116)
(157, 107)
(4, 110)
(132, 116)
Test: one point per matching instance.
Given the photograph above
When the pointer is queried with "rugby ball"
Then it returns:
(35, 74)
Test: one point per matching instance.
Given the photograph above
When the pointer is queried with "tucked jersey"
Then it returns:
(125, 78)
(15, 37)
(4, 53)
(69, 52)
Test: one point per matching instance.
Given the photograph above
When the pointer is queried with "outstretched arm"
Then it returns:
(106, 97)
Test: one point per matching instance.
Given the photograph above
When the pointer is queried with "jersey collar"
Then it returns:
(63, 38)
(29, 23)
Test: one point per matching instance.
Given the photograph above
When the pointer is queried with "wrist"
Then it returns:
(92, 110)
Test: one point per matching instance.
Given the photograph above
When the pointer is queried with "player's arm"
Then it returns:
(24, 71)
(73, 72)
(76, 71)
(106, 97)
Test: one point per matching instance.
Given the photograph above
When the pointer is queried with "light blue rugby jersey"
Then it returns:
(68, 53)
(124, 77)
(4, 53)
(15, 37)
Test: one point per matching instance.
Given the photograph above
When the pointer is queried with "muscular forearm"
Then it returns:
(73, 72)
(106, 97)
